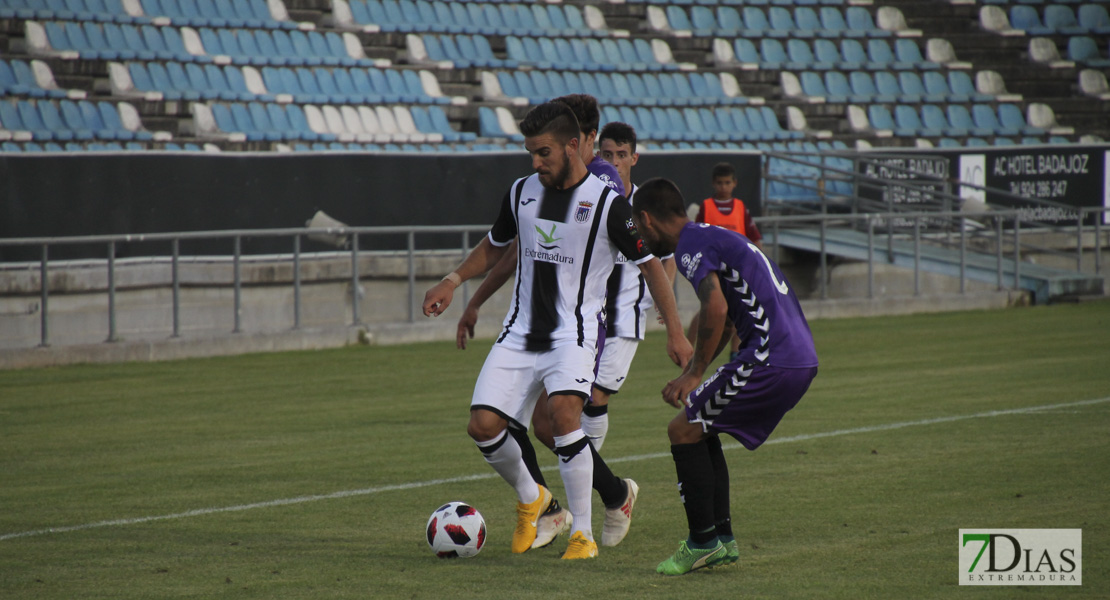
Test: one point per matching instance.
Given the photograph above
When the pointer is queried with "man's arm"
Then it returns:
(662, 293)
(496, 278)
(711, 327)
(481, 259)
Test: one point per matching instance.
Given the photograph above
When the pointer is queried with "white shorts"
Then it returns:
(511, 380)
(616, 359)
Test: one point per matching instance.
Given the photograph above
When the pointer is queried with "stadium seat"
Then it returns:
(1093, 18)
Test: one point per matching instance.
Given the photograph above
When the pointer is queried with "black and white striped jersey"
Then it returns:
(569, 242)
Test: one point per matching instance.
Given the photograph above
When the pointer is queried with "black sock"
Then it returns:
(595, 411)
(528, 454)
(612, 490)
(695, 485)
(721, 509)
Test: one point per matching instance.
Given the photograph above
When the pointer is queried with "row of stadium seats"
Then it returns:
(483, 18)
(111, 41)
(702, 124)
(883, 87)
(219, 13)
(577, 54)
(267, 121)
(199, 13)
(316, 85)
(822, 54)
(31, 79)
(1060, 19)
(616, 89)
(934, 120)
(65, 120)
(743, 2)
(1080, 49)
(10, 146)
(776, 21)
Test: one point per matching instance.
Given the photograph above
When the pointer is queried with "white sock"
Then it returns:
(595, 428)
(576, 466)
(503, 454)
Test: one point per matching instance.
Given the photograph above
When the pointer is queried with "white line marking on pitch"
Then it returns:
(477, 477)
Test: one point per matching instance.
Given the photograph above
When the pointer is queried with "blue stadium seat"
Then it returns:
(986, 118)
(933, 119)
(781, 19)
(839, 90)
(180, 82)
(963, 90)
(962, 123)
(859, 19)
(488, 126)
(1027, 18)
(1084, 50)
(801, 56)
(52, 121)
(1011, 117)
(908, 122)
(855, 57)
(772, 54)
(1061, 20)
(880, 118)
(909, 54)
(1093, 18)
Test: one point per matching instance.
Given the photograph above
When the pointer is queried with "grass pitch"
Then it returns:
(311, 474)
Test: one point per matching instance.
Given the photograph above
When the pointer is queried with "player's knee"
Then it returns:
(681, 431)
(484, 426)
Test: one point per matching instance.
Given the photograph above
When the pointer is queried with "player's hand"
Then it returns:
(677, 391)
(680, 350)
(466, 325)
(438, 298)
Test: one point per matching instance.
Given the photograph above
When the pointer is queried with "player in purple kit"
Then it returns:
(740, 290)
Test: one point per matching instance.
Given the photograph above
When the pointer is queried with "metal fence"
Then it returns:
(1004, 237)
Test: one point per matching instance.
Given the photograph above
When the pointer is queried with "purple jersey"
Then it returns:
(607, 173)
(772, 329)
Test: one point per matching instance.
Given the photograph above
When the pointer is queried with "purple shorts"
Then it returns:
(748, 401)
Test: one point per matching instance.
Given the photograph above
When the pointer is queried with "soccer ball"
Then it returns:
(456, 529)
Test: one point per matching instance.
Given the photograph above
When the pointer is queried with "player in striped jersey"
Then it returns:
(570, 227)
(617, 494)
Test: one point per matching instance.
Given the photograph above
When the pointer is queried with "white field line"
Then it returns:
(490, 475)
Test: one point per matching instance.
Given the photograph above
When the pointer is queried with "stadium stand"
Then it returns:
(378, 75)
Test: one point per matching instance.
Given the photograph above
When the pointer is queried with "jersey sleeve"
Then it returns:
(504, 228)
(622, 231)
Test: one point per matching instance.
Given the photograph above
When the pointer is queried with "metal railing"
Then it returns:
(1004, 238)
(174, 240)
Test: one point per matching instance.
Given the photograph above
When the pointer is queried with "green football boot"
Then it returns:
(687, 559)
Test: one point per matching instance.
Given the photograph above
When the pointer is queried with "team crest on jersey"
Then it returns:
(582, 215)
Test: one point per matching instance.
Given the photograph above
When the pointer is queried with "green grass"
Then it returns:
(870, 514)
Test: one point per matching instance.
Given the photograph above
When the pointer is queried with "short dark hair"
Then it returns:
(659, 198)
(551, 117)
(723, 169)
(620, 133)
(585, 110)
